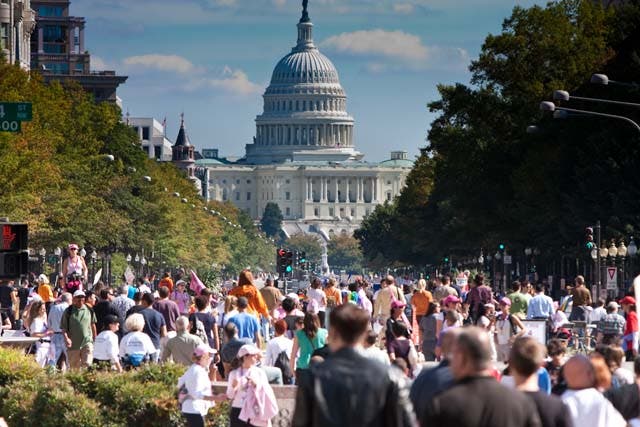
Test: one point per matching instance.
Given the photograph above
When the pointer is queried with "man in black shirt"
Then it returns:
(9, 300)
(526, 357)
(477, 399)
(103, 308)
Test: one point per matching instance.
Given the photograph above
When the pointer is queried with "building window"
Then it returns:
(4, 36)
(288, 210)
(388, 182)
(237, 196)
(287, 196)
(237, 181)
(248, 196)
(48, 10)
(224, 194)
(287, 181)
(248, 181)
(389, 196)
(341, 211)
(145, 133)
(353, 212)
(158, 152)
(224, 181)
(316, 212)
(331, 211)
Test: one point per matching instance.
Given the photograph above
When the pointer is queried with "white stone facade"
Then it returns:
(17, 22)
(153, 140)
(303, 156)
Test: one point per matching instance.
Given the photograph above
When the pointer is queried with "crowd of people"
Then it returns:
(397, 355)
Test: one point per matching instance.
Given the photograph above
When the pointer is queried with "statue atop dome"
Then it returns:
(305, 14)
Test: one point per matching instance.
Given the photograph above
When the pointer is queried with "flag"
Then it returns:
(196, 285)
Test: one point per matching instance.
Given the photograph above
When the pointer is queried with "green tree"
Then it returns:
(344, 253)
(309, 243)
(271, 221)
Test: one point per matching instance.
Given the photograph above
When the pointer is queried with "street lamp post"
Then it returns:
(622, 254)
(58, 253)
(632, 250)
(550, 106)
(137, 264)
(43, 253)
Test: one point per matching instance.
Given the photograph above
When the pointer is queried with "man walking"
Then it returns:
(79, 327)
(525, 359)
(180, 347)
(611, 326)
(477, 399)
(122, 304)
(57, 339)
(348, 383)
(519, 301)
(541, 306)
(104, 308)
(154, 324)
(247, 323)
(581, 299)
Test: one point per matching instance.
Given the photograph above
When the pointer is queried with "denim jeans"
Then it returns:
(60, 348)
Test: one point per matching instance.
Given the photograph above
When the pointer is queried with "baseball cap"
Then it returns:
(79, 293)
(293, 296)
(201, 349)
(180, 282)
(248, 349)
(398, 304)
(72, 246)
(627, 300)
(613, 304)
(505, 301)
(451, 299)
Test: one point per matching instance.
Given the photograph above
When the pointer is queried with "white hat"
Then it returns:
(79, 293)
(248, 349)
(43, 279)
(201, 349)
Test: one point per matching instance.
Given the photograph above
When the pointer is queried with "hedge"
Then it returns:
(145, 397)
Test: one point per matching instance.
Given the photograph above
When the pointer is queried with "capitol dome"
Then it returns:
(305, 109)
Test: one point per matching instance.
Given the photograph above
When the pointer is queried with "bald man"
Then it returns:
(587, 406)
(477, 399)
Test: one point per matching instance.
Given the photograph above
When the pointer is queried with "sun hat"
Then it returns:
(72, 246)
(79, 293)
(202, 349)
(505, 301)
(248, 349)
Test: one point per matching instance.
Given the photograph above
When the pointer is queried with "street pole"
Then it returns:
(598, 269)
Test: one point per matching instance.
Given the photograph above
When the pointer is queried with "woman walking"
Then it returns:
(428, 328)
(36, 324)
(308, 339)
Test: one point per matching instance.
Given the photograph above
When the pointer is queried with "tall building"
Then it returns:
(58, 51)
(303, 156)
(152, 136)
(17, 21)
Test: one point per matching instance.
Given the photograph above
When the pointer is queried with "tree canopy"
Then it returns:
(271, 221)
(482, 179)
(57, 175)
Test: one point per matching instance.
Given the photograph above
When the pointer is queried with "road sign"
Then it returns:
(612, 278)
(14, 237)
(16, 111)
(507, 259)
(10, 125)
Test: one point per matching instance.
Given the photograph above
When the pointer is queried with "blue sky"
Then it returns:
(213, 59)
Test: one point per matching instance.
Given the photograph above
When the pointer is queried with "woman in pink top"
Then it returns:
(181, 297)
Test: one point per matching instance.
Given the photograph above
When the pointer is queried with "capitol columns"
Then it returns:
(347, 198)
(360, 197)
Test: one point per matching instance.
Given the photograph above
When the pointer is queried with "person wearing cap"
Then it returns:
(611, 326)
(508, 328)
(74, 264)
(247, 385)
(630, 334)
(397, 315)
(45, 291)
(181, 297)
(79, 327)
(196, 395)
(106, 350)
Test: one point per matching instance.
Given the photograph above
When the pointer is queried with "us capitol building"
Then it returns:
(303, 157)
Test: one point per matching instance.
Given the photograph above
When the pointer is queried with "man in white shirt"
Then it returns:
(587, 406)
(105, 348)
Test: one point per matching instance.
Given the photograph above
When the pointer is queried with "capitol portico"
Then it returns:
(303, 156)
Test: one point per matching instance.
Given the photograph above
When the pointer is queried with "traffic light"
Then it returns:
(288, 262)
(281, 255)
(14, 257)
(501, 246)
(446, 260)
(302, 260)
(590, 245)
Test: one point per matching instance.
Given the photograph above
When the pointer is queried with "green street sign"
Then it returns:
(10, 126)
(12, 111)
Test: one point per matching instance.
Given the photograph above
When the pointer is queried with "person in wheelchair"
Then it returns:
(136, 347)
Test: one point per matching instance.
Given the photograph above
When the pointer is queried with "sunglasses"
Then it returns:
(73, 249)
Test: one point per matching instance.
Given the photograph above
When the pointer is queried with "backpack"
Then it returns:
(198, 330)
(283, 363)
(514, 328)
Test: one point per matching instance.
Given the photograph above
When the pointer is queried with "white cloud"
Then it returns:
(389, 44)
(169, 63)
(235, 82)
(403, 8)
(392, 50)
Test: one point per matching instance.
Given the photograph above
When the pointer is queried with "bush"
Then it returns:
(49, 403)
(15, 366)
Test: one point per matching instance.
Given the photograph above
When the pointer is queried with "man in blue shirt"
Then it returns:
(247, 324)
(541, 306)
